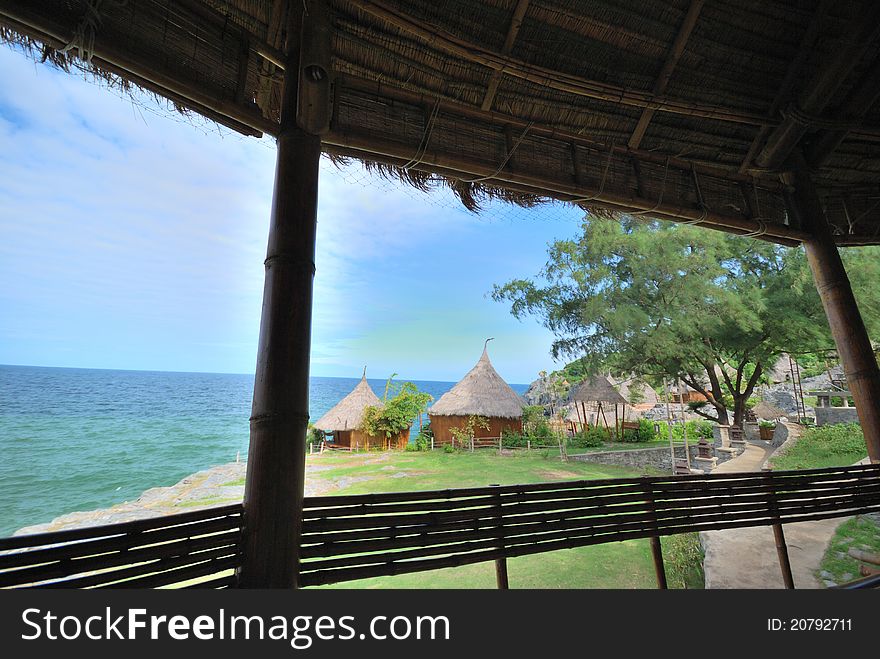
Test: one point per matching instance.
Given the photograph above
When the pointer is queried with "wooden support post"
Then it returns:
(779, 535)
(656, 549)
(273, 495)
(847, 326)
(659, 568)
(500, 563)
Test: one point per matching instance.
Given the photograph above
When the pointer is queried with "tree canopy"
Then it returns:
(662, 299)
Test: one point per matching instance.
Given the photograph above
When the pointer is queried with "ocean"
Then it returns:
(81, 439)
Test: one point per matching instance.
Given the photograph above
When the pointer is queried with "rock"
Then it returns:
(540, 392)
(825, 574)
(846, 576)
(828, 583)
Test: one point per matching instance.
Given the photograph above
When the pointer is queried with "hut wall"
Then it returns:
(363, 441)
(441, 425)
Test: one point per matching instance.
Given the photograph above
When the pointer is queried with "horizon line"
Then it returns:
(147, 370)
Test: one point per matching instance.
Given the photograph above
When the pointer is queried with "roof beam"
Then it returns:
(662, 82)
(818, 93)
(806, 47)
(855, 107)
(518, 13)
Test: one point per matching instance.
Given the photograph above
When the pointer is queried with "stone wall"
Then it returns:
(826, 416)
(639, 458)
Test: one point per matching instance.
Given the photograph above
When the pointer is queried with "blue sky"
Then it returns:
(133, 237)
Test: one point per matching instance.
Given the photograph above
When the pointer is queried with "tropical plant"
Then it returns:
(465, 435)
(396, 413)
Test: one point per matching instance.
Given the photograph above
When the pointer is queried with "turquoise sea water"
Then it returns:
(80, 439)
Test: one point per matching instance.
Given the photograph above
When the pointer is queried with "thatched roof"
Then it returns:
(481, 392)
(597, 389)
(631, 388)
(681, 109)
(348, 413)
(768, 412)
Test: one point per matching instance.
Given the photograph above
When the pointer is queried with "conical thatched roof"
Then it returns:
(348, 413)
(765, 410)
(481, 392)
(597, 388)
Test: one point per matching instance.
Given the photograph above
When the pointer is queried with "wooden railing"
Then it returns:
(359, 536)
(371, 535)
(202, 547)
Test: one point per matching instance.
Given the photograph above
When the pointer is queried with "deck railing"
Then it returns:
(202, 547)
(349, 537)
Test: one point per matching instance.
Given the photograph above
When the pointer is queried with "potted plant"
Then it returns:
(765, 430)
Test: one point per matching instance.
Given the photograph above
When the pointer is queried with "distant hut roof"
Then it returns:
(632, 388)
(764, 410)
(597, 388)
(481, 392)
(348, 413)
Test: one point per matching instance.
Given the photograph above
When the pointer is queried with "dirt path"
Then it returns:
(746, 558)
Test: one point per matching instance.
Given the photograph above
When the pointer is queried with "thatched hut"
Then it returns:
(344, 421)
(596, 403)
(482, 392)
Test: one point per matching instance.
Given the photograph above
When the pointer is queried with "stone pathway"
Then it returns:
(746, 558)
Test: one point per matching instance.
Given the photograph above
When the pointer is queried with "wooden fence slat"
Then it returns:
(67, 567)
(164, 521)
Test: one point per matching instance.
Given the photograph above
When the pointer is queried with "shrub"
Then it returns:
(513, 439)
(590, 437)
(695, 429)
(766, 424)
(314, 435)
(448, 448)
(644, 433)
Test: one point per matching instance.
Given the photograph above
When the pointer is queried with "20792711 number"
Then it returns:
(820, 624)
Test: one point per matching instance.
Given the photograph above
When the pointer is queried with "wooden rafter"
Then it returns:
(518, 13)
(814, 29)
(857, 104)
(662, 82)
(819, 92)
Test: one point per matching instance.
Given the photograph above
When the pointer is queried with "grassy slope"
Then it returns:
(616, 565)
(827, 446)
(860, 532)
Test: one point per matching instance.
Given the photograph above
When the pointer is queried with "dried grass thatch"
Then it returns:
(348, 413)
(666, 109)
(482, 392)
(597, 389)
(768, 412)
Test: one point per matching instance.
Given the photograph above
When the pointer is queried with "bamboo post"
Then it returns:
(682, 392)
(659, 568)
(273, 497)
(669, 424)
(432, 443)
(500, 563)
(778, 533)
(847, 326)
(656, 548)
(528, 445)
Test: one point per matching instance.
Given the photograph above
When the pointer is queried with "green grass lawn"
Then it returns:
(860, 532)
(826, 446)
(616, 565)
(362, 473)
